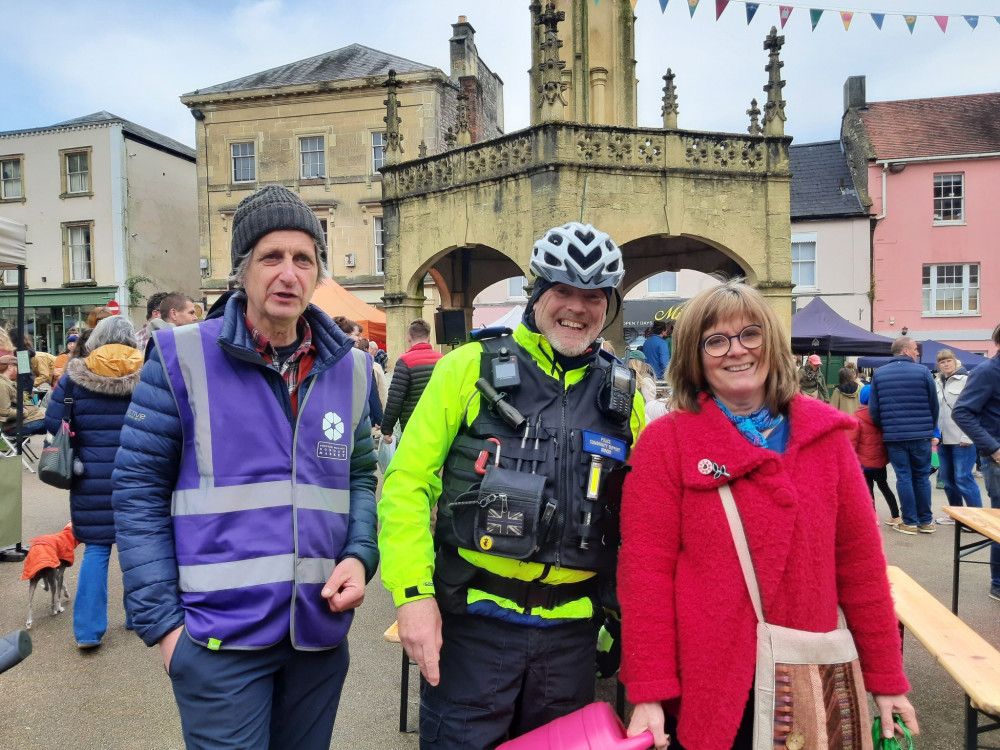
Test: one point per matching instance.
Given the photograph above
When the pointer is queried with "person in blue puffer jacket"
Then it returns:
(244, 494)
(100, 385)
(903, 403)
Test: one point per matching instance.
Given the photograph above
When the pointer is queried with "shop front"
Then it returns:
(50, 313)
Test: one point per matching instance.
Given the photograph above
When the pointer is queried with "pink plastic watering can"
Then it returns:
(593, 727)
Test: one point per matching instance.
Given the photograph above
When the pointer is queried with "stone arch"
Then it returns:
(460, 273)
(647, 256)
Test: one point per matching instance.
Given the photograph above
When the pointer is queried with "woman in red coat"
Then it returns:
(689, 629)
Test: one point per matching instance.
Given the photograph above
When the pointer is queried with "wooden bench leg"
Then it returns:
(971, 726)
(404, 691)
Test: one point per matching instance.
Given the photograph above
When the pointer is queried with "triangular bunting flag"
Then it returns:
(973, 21)
(911, 21)
(751, 9)
(663, 6)
(878, 18)
(846, 17)
(814, 15)
(692, 6)
(720, 6)
(997, 18)
(942, 21)
(785, 11)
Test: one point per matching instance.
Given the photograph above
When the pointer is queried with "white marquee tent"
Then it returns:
(13, 253)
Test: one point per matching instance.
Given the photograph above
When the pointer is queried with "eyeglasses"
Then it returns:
(718, 344)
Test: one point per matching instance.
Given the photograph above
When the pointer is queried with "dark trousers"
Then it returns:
(881, 478)
(276, 697)
(500, 680)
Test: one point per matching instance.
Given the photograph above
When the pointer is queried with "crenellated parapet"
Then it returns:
(566, 145)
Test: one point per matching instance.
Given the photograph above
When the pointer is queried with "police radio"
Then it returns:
(614, 399)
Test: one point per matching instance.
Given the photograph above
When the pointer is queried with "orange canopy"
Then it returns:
(334, 300)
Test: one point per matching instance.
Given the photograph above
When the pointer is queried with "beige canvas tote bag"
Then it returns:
(808, 691)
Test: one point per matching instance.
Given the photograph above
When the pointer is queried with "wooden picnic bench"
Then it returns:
(972, 662)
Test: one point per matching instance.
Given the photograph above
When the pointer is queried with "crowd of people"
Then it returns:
(539, 487)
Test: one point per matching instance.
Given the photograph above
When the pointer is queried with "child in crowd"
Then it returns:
(867, 441)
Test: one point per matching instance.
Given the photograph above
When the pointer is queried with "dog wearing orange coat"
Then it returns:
(47, 560)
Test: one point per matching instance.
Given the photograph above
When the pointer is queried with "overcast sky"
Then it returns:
(68, 58)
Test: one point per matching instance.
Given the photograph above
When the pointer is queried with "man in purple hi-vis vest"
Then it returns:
(244, 495)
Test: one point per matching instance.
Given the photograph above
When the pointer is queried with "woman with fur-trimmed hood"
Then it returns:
(100, 384)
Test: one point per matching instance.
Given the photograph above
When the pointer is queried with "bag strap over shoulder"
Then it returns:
(68, 402)
(743, 552)
(742, 548)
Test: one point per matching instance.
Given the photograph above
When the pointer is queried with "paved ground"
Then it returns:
(118, 697)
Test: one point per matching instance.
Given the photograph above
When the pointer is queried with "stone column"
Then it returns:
(669, 109)
(400, 309)
(598, 86)
(779, 296)
(394, 139)
(774, 108)
(552, 103)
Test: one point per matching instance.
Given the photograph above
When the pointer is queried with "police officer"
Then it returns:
(500, 607)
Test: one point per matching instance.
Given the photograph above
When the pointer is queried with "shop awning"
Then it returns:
(90, 295)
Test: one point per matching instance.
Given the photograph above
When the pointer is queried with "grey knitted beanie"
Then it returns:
(271, 208)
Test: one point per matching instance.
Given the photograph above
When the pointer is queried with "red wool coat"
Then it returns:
(688, 629)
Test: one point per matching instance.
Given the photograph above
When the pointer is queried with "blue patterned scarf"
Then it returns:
(753, 425)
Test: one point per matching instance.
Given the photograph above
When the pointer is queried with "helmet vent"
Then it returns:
(586, 237)
(584, 260)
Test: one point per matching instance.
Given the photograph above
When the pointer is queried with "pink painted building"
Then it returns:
(930, 171)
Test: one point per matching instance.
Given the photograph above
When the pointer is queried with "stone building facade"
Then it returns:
(673, 199)
(318, 127)
(111, 212)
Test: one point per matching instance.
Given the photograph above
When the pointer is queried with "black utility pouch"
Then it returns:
(508, 508)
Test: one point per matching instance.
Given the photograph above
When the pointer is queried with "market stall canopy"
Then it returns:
(510, 319)
(817, 328)
(334, 300)
(928, 356)
(13, 244)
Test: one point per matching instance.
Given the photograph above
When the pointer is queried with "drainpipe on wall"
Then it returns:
(119, 215)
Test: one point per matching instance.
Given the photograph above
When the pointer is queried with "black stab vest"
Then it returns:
(560, 458)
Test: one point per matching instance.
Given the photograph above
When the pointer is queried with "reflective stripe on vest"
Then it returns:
(261, 506)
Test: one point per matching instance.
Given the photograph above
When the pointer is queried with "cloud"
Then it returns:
(67, 58)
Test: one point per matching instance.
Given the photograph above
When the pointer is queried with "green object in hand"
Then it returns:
(891, 743)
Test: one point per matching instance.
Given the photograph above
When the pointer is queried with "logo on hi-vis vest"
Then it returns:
(333, 428)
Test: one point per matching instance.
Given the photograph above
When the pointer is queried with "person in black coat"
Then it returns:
(100, 385)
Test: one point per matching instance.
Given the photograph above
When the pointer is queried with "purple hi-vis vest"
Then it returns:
(260, 509)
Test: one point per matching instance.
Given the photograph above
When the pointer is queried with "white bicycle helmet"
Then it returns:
(578, 255)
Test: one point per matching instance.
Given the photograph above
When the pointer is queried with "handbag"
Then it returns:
(808, 689)
(55, 465)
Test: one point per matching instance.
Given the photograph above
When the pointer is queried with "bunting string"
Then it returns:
(846, 15)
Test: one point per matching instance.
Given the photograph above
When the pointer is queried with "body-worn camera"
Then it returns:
(504, 372)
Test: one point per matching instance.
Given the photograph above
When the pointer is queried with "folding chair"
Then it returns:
(9, 448)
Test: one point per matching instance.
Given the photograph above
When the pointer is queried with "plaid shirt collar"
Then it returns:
(289, 369)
